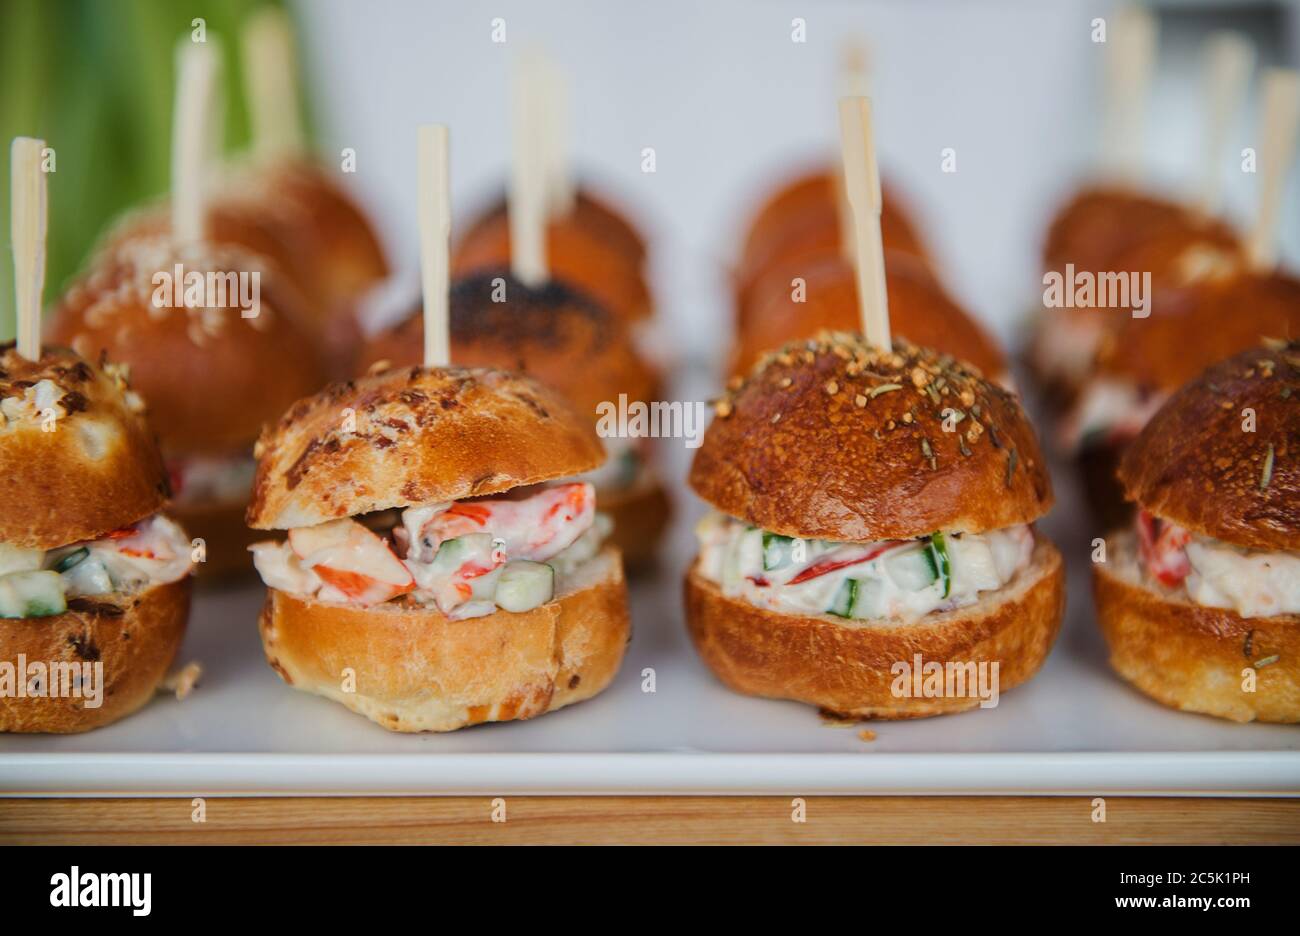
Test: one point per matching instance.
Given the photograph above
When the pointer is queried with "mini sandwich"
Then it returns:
(1200, 599)
(563, 339)
(872, 511)
(442, 567)
(91, 574)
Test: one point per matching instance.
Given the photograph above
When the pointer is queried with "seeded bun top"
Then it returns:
(415, 435)
(919, 310)
(1195, 464)
(832, 439)
(77, 459)
(552, 333)
(210, 376)
(1189, 329)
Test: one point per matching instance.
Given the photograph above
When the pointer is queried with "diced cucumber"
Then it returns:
(911, 568)
(71, 559)
(18, 559)
(88, 577)
(842, 604)
(936, 554)
(31, 594)
(454, 553)
(525, 585)
(868, 599)
(776, 551)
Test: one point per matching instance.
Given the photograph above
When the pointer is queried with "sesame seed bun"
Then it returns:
(397, 438)
(210, 377)
(919, 310)
(844, 666)
(1191, 657)
(417, 670)
(802, 447)
(97, 470)
(1194, 464)
(135, 636)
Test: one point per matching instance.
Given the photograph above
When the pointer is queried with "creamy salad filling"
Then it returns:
(223, 479)
(466, 558)
(1215, 574)
(890, 579)
(39, 582)
(1108, 412)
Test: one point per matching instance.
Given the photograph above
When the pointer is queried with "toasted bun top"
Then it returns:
(210, 377)
(554, 333)
(1191, 328)
(1099, 222)
(590, 212)
(1195, 464)
(919, 310)
(803, 447)
(397, 438)
(77, 459)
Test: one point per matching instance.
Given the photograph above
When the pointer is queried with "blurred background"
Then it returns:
(729, 103)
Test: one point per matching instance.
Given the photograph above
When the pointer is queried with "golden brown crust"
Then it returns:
(590, 212)
(416, 670)
(845, 666)
(136, 641)
(919, 310)
(577, 255)
(226, 537)
(1195, 464)
(414, 436)
(640, 516)
(552, 333)
(98, 470)
(1191, 657)
(1191, 328)
(814, 444)
(210, 377)
(802, 218)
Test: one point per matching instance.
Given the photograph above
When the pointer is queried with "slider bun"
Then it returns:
(97, 471)
(590, 212)
(1191, 657)
(1191, 328)
(803, 217)
(417, 670)
(226, 537)
(1193, 463)
(919, 310)
(554, 334)
(640, 516)
(843, 666)
(210, 377)
(798, 459)
(577, 254)
(420, 436)
(136, 638)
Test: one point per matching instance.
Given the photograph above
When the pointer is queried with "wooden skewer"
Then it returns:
(560, 187)
(855, 79)
(192, 127)
(1276, 150)
(271, 84)
(434, 194)
(1131, 52)
(1229, 59)
(27, 221)
(862, 188)
(527, 210)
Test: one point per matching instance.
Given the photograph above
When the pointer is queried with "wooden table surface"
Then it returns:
(650, 820)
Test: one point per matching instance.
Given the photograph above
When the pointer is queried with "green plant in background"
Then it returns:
(94, 79)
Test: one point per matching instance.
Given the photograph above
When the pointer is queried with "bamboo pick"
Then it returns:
(192, 127)
(862, 188)
(1130, 57)
(1229, 58)
(271, 84)
(27, 222)
(435, 241)
(527, 209)
(1281, 91)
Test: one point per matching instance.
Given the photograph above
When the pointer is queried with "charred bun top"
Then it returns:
(415, 435)
(77, 458)
(833, 439)
(553, 333)
(1195, 464)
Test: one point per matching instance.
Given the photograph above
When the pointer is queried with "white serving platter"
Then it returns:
(1075, 729)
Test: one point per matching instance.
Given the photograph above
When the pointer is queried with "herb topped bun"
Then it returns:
(1200, 600)
(870, 506)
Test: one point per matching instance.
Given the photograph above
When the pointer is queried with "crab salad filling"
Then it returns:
(467, 558)
(890, 579)
(40, 582)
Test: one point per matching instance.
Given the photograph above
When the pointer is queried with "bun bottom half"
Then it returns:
(225, 535)
(417, 670)
(1190, 657)
(844, 667)
(135, 637)
(640, 517)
